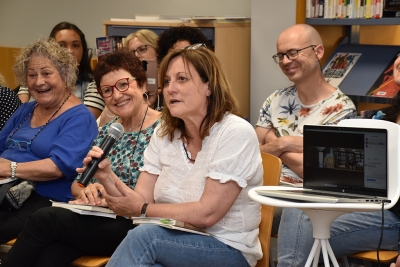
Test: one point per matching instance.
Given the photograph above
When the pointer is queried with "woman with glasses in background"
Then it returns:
(44, 140)
(70, 37)
(56, 236)
(198, 168)
(143, 44)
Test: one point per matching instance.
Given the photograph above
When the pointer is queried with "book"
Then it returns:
(108, 44)
(171, 224)
(340, 65)
(81, 207)
(385, 86)
(6, 180)
(104, 45)
(93, 213)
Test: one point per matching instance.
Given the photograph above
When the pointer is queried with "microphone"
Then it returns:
(115, 132)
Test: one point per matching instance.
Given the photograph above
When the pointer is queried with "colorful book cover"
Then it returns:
(339, 67)
(104, 45)
(384, 86)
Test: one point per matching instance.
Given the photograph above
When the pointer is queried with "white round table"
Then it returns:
(321, 216)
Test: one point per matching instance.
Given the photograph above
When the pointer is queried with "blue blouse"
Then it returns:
(65, 140)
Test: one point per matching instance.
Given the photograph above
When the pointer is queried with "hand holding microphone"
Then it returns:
(115, 132)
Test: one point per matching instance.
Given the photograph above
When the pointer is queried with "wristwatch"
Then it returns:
(143, 210)
(13, 166)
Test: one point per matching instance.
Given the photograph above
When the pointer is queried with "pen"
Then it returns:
(99, 193)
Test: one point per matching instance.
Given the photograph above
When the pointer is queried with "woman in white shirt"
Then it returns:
(199, 166)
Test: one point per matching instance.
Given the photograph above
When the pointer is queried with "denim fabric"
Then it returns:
(152, 245)
(350, 233)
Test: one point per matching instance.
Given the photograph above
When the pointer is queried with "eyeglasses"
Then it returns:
(121, 85)
(22, 145)
(291, 54)
(195, 46)
(140, 50)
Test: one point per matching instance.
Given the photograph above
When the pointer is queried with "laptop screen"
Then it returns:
(345, 159)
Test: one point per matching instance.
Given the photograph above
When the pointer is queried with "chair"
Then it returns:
(385, 256)
(272, 166)
(90, 261)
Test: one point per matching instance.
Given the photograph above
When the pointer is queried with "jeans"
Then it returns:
(152, 245)
(350, 233)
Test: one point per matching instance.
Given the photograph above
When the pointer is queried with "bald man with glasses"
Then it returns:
(310, 100)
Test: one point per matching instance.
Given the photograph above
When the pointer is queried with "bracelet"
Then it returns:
(143, 210)
(13, 166)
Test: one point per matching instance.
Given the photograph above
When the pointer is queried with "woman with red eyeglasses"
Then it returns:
(57, 236)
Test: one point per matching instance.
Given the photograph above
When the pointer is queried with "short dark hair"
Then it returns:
(120, 59)
(85, 71)
(168, 38)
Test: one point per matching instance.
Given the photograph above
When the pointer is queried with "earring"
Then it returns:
(147, 98)
(209, 100)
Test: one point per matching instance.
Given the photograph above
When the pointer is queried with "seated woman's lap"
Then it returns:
(173, 248)
(12, 221)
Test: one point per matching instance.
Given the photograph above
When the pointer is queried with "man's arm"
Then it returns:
(294, 161)
(288, 148)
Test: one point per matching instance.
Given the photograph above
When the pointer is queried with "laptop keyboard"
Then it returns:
(322, 194)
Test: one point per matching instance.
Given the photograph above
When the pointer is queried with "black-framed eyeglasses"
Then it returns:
(195, 46)
(121, 85)
(140, 50)
(291, 54)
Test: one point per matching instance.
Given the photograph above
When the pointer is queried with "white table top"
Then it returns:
(347, 207)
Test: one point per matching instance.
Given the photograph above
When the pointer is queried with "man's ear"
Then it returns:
(319, 51)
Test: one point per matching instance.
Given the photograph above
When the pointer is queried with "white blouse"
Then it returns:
(230, 152)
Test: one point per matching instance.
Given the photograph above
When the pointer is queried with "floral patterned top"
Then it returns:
(126, 156)
(284, 111)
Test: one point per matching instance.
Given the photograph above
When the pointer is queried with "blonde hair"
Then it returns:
(146, 36)
(65, 63)
(3, 81)
(220, 101)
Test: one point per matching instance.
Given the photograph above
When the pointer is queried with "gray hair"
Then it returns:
(65, 63)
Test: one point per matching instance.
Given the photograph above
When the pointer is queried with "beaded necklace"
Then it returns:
(140, 130)
(41, 128)
(187, 154)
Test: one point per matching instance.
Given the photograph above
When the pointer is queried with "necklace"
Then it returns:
(41, 128)
(140, 130)
(140, 123)
(111, 116)
(187, 154)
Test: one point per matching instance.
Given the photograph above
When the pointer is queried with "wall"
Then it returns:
(268, 19)
(21, 21)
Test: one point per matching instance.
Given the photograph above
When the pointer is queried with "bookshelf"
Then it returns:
(378, 38)
(231, 41)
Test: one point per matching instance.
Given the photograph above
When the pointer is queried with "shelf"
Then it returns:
(366, 70)
(372, 22)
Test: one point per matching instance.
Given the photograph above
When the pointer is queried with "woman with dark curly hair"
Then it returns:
(179, 37)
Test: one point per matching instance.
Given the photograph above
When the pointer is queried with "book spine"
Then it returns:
(367, 9)
(321, 8)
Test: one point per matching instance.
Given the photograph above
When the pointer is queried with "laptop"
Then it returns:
(341, 165)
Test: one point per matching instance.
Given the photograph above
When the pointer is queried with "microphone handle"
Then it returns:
(91, 169)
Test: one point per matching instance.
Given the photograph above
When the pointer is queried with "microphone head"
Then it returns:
(116, 130)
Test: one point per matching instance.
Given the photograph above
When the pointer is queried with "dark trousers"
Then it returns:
(56, 237)
(12, 221)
